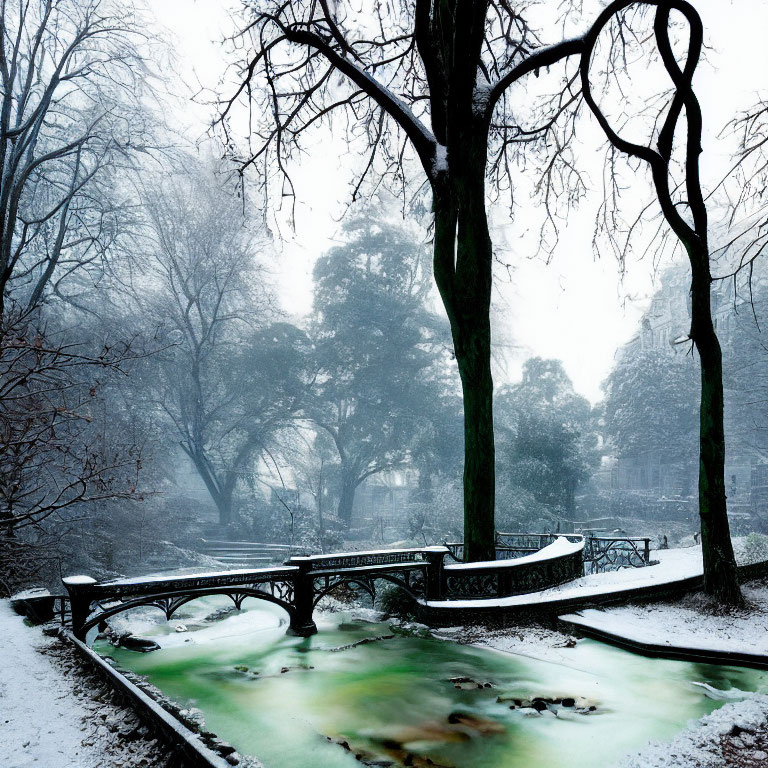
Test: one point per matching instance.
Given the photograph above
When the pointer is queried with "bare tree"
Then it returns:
(429, 79)
(742, 190)
(58, 456)
(687, 218)
(71, 120)
(71, 117)
(230, 376)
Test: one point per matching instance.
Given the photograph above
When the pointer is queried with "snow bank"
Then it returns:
(49, 718)
(700, 745)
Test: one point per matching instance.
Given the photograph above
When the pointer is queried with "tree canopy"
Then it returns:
(548, 442)
(376, 346)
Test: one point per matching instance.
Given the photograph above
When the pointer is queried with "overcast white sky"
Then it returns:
(577, 308)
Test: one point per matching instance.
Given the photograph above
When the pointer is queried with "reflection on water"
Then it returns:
(281, 698)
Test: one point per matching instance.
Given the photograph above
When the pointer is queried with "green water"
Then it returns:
(393, 697)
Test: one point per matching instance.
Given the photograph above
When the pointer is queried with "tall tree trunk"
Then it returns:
(720, 575)
(473, 357)
(221, 497)
(224, 505)
(223, 502)
(347, 499)
(570, 499)
(463, 257)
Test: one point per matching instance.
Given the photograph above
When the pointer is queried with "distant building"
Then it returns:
(665, 327)
(381, 503)
(649, 472)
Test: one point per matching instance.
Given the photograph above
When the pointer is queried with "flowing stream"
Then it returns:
(400, 700)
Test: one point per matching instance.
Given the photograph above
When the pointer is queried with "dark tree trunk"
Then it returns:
(720, 574)
(221, 496)
(463, 257)
(223, 501)
(224, 506)
(473, 357)
(347, 499)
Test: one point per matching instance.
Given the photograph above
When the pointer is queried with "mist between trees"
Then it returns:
(152, 391)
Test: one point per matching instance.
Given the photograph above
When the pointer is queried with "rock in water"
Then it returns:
(141, 644)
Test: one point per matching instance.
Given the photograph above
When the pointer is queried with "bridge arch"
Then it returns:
(170, 602)
(367, 584)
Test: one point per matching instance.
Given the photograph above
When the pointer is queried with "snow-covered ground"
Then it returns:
(690, 623)
(51, 717)
(734, 735)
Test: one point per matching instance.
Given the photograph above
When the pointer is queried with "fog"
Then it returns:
(216, 329)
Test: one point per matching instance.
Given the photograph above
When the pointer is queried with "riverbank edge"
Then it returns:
(580, 625)
(187, 741)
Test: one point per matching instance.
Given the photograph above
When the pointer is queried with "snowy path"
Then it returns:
(47, 720)
(686, 624)
(675, 565)
(41, 725)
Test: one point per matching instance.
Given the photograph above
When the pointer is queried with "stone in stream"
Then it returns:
(142, 644)
(468, 684)
(548, 704)
(221, 746)
(221, 613)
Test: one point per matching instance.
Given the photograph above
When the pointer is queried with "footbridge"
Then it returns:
(426, 574)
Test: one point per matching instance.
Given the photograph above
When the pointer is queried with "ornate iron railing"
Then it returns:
(601, 553)
(525, 563)
(509, 576)
(372, 558)
(510, 546)
(609, 553)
